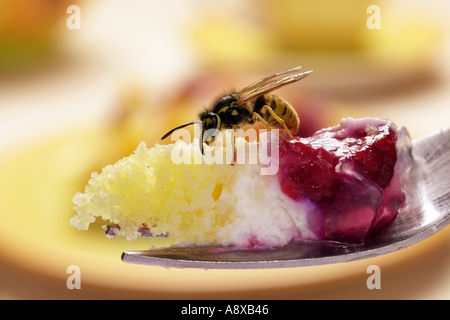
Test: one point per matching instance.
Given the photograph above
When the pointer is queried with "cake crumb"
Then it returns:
(371, 129)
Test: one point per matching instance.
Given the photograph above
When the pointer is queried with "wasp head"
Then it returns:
(211, 125)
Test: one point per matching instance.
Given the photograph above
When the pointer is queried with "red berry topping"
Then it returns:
(346, 171)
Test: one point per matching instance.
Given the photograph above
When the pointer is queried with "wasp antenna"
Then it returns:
(185, 125)
(200, 141)
(177, 128)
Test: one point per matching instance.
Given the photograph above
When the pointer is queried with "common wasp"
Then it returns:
(252, 103)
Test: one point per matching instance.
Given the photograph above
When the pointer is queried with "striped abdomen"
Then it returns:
(281, 107)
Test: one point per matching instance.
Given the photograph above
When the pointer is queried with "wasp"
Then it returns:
(252, 103)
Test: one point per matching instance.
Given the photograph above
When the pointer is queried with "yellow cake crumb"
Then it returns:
(211, 202)
(148, 188)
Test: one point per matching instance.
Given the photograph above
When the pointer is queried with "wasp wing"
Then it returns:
(269, 84)
(271, 78)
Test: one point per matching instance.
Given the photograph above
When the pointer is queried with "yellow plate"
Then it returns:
(36, 187)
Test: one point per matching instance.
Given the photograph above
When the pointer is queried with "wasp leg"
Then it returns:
(281, 121)
(264, 122)
(233, 139)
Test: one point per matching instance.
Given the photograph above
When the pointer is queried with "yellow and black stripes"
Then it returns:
(280, 107)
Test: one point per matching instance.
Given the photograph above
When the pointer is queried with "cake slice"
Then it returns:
(341, 184)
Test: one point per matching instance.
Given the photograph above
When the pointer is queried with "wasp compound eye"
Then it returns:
(211, 127)
(211, 123)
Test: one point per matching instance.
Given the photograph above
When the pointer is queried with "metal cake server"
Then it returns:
(426, 211)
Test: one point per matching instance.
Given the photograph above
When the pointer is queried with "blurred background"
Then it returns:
(75, 100)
